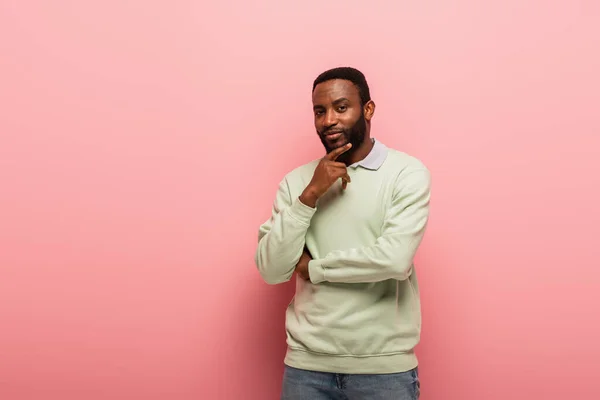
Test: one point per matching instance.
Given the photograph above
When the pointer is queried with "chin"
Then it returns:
(329, 149)
(340, 144)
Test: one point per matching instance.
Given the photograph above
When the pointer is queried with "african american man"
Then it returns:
(349, 225)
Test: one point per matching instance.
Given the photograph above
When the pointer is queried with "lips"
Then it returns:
(333, 135)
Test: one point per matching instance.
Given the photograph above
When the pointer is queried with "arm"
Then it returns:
(281, 238)
(391, 257)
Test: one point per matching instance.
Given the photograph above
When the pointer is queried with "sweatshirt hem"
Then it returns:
(349, 364)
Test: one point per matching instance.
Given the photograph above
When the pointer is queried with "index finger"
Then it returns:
(338, 152)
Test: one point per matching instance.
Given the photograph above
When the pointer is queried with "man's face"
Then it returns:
(339, 115)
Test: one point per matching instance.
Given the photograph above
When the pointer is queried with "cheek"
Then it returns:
(349, 121)
(319, 125)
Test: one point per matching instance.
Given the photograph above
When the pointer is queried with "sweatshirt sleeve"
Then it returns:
(281, 239)
(391, 257)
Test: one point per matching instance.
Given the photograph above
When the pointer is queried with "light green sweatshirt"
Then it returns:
(360, 311)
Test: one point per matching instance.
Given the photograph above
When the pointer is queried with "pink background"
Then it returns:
(141, 143)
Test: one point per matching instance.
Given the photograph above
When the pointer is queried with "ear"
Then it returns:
(369, 110)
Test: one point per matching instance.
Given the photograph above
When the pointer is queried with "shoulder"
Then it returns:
(399, 162)
(300, 173)
(295, 180)
(407, 170)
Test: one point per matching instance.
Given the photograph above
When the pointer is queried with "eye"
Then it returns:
(342, 108)
(318, 112)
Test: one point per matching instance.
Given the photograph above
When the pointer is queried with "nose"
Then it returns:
(330, 119)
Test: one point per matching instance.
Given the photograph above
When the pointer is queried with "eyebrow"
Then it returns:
(341, 100)
(335, 102)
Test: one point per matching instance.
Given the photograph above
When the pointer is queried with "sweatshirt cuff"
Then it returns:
(316, 272)
(301, 212)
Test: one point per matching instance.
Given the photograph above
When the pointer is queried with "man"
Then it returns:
(349, 225)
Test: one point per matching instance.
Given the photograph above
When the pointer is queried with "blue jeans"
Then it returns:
(300, 384)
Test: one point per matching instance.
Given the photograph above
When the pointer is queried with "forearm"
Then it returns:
(281, 242)
(390, 258)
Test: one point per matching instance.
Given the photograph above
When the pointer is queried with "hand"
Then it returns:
(326, 174)
(302, 266)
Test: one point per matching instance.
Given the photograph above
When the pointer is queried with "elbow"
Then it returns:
(403, 274)
(271, 274)
(400, 261)
(394, 264)
(273, 278)
(401, 268)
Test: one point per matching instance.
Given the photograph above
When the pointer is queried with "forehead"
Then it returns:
(329, 91)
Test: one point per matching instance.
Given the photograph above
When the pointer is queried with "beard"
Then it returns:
(354, 135)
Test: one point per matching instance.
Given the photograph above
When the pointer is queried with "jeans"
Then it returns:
(300, 384)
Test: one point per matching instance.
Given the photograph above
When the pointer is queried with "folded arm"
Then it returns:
(391, 257)
(281, 239)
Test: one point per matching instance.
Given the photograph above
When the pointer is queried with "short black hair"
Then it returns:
(350, 74)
